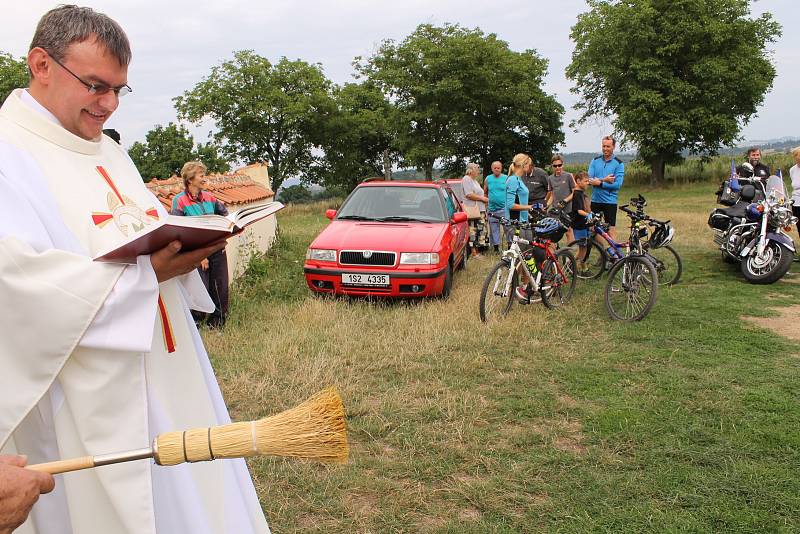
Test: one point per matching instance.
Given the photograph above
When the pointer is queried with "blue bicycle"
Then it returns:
(650, 238)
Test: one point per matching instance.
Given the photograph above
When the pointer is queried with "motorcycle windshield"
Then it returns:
(776, 188)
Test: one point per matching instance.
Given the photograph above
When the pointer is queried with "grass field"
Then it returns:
(549, 421)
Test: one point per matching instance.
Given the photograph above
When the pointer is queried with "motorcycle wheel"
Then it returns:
(768, 269)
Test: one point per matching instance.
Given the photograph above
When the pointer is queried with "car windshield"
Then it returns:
(393, 203)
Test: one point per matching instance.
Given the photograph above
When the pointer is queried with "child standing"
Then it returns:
(580, 216)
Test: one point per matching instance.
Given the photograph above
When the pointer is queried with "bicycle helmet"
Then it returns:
(550, 228)
(752, 213)
(662, 236)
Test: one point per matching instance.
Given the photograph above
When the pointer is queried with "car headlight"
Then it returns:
(321, 254)
(419, 258)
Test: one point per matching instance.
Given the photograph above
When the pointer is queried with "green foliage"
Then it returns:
(356, 135)
(166, 149)
(464, 95)
(263, 111)
(673, 74)
(295, 194)
(13, 74)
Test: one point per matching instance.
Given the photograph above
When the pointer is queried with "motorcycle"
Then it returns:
(754, 231)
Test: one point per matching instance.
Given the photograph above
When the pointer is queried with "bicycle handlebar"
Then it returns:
(643, 216)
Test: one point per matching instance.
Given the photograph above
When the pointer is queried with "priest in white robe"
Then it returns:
(94, 357)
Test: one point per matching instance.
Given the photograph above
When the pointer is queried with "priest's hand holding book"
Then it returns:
(170, 262)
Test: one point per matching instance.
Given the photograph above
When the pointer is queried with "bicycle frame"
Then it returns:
(517, 258)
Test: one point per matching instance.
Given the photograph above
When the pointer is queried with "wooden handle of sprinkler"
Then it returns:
(64, 466)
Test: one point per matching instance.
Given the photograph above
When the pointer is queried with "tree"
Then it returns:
(358, 136)
(672, 74)
(13, 74)
(263, 111)
(296, 194)
(166, 149)
(464, 95)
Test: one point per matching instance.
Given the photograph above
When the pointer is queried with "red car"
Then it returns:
(390, 239)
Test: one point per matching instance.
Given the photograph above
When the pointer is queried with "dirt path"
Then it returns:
(786, 323)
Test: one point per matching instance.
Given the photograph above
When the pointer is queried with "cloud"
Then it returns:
(175, 44)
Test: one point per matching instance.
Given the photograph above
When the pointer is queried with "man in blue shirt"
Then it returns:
(606, 174)
(495, 188)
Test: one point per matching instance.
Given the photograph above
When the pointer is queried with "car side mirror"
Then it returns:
(330, 214)
(460, 217)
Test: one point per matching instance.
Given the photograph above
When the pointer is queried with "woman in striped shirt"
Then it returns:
(192, 202)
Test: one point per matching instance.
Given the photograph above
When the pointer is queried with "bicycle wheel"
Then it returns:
(558, 285)
(632, 289)
(497, 294)
(668, 264)
(595, 261)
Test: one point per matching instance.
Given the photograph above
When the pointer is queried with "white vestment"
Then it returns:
(88, 365)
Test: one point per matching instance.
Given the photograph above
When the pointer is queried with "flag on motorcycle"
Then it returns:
(734, 179)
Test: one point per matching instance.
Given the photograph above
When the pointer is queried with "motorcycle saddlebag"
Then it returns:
(719, 221)
(726, 195)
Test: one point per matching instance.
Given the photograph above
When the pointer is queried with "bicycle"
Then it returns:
(632, 287)
(554, 281)
(656, 248)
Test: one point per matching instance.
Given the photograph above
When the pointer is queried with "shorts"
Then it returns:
(580, 233)
(609, 212)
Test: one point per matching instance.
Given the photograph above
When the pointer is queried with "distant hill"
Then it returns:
(782, 144)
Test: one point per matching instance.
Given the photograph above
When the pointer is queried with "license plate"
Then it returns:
(354, 279)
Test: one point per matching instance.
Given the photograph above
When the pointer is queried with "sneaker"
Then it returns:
(522, 295)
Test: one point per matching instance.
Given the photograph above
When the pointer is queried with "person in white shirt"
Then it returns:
(794, 173)
(100, 357)
(475, 199)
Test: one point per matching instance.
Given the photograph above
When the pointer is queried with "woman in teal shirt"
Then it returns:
(516, 204)
(517, 207)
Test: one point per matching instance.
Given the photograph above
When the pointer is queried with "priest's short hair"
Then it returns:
(67, 24)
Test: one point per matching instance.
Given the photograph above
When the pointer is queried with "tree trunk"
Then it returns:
(657, 166)
(429, 172)
(387, 165)
(276, 178)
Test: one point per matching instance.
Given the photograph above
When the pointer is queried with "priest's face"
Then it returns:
(78, 110)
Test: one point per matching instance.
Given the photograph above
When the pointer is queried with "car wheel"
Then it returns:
(465, 258)
(448, 282)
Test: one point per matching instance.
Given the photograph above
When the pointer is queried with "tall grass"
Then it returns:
(548, 421)
(693, 169)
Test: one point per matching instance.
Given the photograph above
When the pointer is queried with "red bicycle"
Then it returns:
(552, 276)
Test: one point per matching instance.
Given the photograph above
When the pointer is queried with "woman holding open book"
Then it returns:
(213, 270)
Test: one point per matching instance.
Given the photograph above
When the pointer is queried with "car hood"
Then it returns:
(398, 237)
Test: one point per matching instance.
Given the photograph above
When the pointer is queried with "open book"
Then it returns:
(192, 232)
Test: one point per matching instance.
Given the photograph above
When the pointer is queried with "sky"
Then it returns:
(175, 44)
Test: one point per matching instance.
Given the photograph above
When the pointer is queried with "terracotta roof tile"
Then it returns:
(231, 188)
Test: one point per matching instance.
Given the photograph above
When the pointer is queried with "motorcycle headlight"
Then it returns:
(321, 254)
(419, 258)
